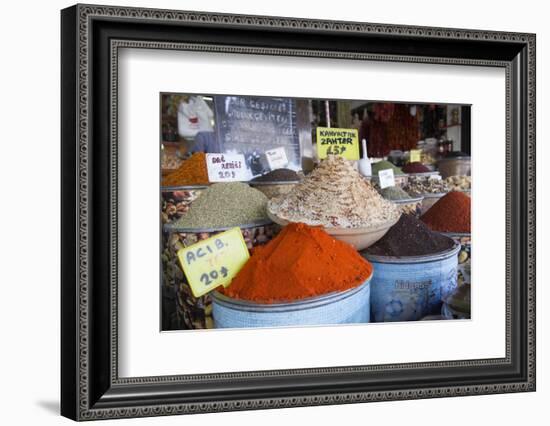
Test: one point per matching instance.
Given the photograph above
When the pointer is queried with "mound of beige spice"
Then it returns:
(334, 195)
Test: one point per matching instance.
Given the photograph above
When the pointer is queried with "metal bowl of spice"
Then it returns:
(176, 200)
(406, 203)
(429, 200)
(400, 179)
(277, 182)
(274, 189)
(410, 206)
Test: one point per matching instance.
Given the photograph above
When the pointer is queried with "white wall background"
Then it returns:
(29, 212)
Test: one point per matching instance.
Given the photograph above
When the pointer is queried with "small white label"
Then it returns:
(386, 178)
(226, 168)
(276, 158)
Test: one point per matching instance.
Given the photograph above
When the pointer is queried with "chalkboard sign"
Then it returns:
(251, 125)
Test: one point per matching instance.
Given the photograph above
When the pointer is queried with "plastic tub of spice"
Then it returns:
(192, 312)
(302, 277)
(347, 307)
(414, 270)
(409, 288)
(176, 200)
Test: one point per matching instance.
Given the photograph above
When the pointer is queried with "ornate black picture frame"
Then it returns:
(91, 36)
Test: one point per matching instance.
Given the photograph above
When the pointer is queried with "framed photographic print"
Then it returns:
(263, 212)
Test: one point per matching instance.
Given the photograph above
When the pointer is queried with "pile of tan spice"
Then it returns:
(192, 171)
(334, 195)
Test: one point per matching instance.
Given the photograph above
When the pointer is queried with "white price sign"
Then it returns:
(276, 158)
(386, 178)
(226, 168)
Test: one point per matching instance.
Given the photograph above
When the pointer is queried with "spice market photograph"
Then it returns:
(299, 212)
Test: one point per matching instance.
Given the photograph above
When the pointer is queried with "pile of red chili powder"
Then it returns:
(450, 214)
(302, 261)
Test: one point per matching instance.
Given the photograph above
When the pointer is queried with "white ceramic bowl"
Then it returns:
(360, 238)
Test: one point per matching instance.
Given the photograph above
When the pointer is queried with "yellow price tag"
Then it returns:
(415, 155)
(335, 141)
(214, 261)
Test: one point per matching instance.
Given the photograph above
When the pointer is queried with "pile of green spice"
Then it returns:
(410, 237)
(278, 175)
(384, 165)
(394, 193)
(225, 204)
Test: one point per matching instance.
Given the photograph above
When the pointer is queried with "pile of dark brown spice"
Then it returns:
(410, 237)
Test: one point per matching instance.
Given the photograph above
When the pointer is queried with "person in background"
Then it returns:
(206, 142)
(194, 115)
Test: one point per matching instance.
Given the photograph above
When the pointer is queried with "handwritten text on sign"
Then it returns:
(415, 155)
(226, 168)
(276, 158)
(386, 178)
(214, 261)
(335, 141)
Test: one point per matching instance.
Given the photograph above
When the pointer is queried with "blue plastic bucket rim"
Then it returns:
(169, 227)
(301, 304)
(453, 251)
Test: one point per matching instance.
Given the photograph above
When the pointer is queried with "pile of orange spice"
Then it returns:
(302, 261)
(192, 171)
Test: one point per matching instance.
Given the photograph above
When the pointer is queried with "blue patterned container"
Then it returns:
(409, 288)
(350, 306)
